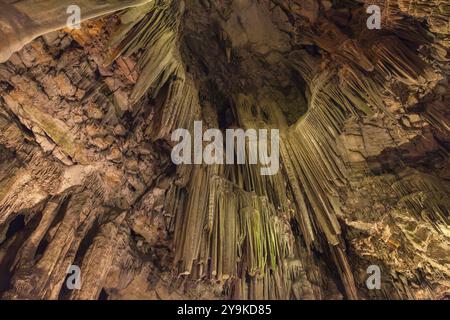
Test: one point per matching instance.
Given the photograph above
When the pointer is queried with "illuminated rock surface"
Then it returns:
(86, 176)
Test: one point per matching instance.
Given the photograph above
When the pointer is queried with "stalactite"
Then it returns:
(154, 28)
(244, 234)
(425, 196)
(437, 13)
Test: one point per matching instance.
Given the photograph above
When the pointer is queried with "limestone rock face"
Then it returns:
(86, 177)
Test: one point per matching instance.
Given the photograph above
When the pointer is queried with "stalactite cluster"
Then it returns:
(364, 144)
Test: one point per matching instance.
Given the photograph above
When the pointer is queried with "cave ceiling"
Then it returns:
(88, 114)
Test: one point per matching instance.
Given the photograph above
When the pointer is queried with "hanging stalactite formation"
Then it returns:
(87, 118)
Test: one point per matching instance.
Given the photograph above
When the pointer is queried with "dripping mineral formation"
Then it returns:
(86, 177)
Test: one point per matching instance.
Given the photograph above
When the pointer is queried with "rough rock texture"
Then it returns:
(86, 177)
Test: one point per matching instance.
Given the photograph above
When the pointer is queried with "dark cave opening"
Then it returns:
(16, 225)
(103, 295)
